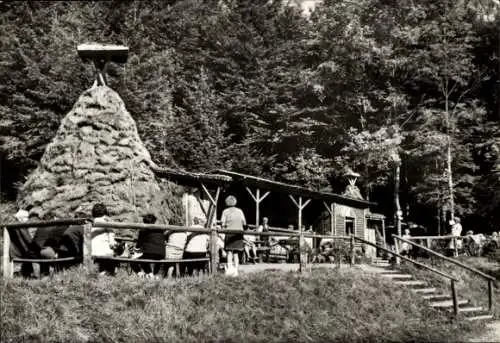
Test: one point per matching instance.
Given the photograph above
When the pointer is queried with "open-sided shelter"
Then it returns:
(285, 204)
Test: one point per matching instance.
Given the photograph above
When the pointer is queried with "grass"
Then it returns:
(470, 286)
(323, 306)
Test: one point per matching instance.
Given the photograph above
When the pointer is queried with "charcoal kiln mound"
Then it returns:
(98, 156)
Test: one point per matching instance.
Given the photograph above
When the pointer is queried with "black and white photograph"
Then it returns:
(250, 171)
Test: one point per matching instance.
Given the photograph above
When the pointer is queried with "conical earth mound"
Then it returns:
(97, 156)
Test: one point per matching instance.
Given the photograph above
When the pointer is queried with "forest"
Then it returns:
(406, 93)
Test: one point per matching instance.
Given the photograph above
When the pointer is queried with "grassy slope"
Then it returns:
(325, 306)
(471, 286)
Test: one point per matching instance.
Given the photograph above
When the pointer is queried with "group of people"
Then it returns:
(471, 244)
(151, 244)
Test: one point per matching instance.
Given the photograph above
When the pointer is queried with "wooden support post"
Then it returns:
(384, 234)
(301, 237)
(214, 254)
(257, 207)
(87, 245)
(490, 296)
(257, 199)
(212, 243)
(186, 210)
(330, 210)
(353, 257)
(396, 246)
(7, 265)
(454, 296)
(455, 253)
(300, 207)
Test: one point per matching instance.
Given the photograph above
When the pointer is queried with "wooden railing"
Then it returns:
(490, 279)
(429, 239)
(452, 279)
(88, 223)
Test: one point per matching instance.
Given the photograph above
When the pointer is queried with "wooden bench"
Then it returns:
(203, 262)
(55, 262)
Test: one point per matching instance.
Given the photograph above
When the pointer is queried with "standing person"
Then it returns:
(102, 240)
(152, 244)
(233, 218)
(406, 247)
(456, 231)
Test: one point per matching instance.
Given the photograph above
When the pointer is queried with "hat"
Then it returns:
(22, 215)
(231, 201)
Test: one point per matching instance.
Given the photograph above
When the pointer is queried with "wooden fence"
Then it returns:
(87, 223)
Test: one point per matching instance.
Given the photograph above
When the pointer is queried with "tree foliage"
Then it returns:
(258, 87)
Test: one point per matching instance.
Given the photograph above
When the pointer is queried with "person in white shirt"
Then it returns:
(456, 230)
(406, 247)
(102, 240)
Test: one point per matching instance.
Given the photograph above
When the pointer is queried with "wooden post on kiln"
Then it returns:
(100, 55)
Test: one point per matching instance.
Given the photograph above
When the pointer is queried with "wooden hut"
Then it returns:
(285, 205)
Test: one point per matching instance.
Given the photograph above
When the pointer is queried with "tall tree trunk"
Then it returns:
(397, 205)
(449, 159)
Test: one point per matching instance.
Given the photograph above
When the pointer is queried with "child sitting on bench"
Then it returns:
(152, 244)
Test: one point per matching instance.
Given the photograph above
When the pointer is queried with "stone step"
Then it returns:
(427, 290)
(468, 309)
(447, 303)
(410, 282)
(481, 317)
(436, 296)
(389, 271)
(398, 276)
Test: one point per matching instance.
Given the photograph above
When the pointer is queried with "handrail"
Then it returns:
(406, 258)
(489, 278)
(172, 228)
(44, 223)
(435, 237)
(478, 272)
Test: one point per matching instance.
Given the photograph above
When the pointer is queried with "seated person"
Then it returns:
(47, 240)
(176, 242)
(22, 245)
(102, 240)
(249, 241)
(495, 239)
(72, 239)
(152, 244)
(264, 227)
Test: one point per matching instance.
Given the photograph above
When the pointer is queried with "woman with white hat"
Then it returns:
(233, 218)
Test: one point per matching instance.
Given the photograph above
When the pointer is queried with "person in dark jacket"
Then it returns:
(71, 244)
(152, 244)
(47, 241)
(21, 244)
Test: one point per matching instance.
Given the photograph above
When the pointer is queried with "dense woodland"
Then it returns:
(256, 86)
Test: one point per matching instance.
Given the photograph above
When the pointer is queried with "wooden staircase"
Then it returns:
(434, 297)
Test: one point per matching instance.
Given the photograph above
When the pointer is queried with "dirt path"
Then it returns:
(491, 334)
(286, 267)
